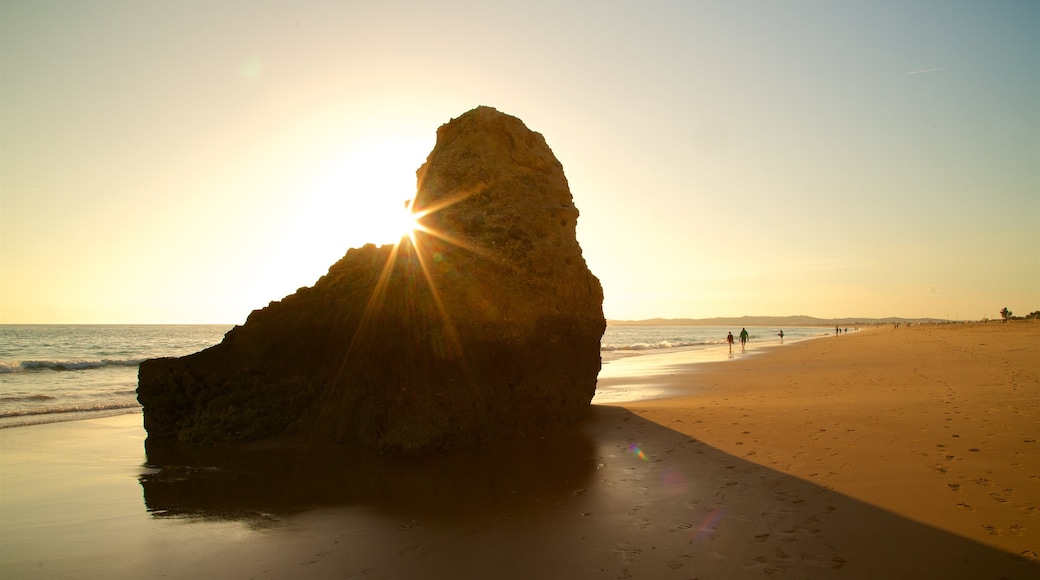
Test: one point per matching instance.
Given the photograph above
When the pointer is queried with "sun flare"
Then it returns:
(407, 221)
(362, 193)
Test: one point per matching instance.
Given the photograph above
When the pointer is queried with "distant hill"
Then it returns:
(778, 321)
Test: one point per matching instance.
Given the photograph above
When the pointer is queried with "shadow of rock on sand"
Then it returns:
(614, 497)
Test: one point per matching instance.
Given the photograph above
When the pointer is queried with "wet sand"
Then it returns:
(812, 460)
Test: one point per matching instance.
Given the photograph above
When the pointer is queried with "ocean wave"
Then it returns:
(65, 365)
(26, 399)
(656, 345)
(70, 409)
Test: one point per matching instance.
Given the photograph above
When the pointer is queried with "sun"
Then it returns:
(407, 221)
(364, 191)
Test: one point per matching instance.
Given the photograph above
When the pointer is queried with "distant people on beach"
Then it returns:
(837, 330)
(743, 338)
(729, 339)
(781, 335)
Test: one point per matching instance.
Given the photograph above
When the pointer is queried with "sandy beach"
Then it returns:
(938, 424)
(891, 452)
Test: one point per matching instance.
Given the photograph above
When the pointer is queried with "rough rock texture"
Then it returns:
(488, 325)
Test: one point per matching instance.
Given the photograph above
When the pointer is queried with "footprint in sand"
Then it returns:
(954, 486)
(810, 558)
(627, 553)
(993, 530)
(411, 551)
(965, 506)
(317, 557)
(675, 564)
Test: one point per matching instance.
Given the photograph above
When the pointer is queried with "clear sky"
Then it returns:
(189, 161)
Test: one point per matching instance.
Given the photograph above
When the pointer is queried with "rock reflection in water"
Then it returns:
(274, 478)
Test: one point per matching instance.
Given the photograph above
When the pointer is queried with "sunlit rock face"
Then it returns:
(486, 323)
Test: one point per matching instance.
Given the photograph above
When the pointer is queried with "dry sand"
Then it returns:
(788, 463)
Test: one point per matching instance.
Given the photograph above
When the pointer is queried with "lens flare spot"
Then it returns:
(635, 450)
(252, 69)
(709, 525)
(674, 481)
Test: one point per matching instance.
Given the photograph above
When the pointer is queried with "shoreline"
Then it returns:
(662, 488)
(644, 376)
(35, 419)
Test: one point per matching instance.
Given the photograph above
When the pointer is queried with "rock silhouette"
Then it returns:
(485, 323)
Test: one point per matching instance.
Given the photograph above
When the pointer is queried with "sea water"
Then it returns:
(630, 340)
(51, 373)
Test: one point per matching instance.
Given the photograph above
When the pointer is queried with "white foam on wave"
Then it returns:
(656, 345)
(65, 365)
(65, 416)
(70, 409)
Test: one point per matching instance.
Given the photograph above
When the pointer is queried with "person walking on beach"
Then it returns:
(781, 335)
(729, 339)
(743, 338)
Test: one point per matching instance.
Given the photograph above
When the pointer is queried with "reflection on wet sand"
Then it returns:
(255, 482)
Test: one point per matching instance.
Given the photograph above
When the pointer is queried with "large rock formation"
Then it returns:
(486, 323)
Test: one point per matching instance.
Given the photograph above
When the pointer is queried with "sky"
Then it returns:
(190, 161)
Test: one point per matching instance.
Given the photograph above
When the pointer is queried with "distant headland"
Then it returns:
(800, 320)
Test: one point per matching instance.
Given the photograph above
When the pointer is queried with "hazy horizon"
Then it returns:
(865, 319)
(192, 161)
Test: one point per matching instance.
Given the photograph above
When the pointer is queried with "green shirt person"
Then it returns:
(743, 336)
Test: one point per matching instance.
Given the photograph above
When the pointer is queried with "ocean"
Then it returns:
(52, 373)
(623, 340)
